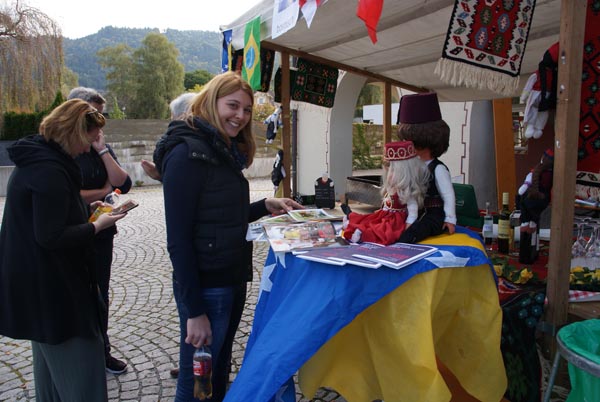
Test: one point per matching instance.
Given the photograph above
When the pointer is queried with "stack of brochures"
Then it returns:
(371, 255)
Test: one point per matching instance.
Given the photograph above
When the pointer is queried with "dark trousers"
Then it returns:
(430, 223)
(69, 371)
(103, 248)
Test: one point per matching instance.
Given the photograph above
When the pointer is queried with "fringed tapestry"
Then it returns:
(485, 44)
(588, 152)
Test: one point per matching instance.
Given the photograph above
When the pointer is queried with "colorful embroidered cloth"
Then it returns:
(485, 44)
(314, 83)
(588, 153)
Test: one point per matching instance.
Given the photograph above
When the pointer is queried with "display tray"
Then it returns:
(365, 189)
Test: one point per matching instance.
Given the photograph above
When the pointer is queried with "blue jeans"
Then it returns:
(224, 310)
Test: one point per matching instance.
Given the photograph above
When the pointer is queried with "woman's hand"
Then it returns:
(99, 143)
(198, 331)
(106, 220)
(279, 206)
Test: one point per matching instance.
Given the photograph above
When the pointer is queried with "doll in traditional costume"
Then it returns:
(535, 192)
(404, 183)
(420, 121)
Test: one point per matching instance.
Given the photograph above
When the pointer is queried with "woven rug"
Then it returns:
(588, 152)
(485, 44)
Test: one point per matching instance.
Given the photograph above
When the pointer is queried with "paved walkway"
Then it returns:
(143, 324)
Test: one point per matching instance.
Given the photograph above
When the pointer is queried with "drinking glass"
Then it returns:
(578, 248)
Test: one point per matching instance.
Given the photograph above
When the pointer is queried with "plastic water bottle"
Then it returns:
(488, 227)
(203, 373)
(111, 200)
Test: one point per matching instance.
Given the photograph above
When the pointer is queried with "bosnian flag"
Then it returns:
(309, 8)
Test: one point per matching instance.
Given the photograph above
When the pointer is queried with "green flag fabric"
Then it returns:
(251, 64)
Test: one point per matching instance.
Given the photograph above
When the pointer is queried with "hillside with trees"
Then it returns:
(198, 50)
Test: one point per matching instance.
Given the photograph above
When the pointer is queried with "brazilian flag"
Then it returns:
(251, 64)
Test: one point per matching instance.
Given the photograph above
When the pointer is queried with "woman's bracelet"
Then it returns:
(100, 153)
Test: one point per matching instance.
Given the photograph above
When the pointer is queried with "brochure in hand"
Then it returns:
(305, 235)
(395, 255)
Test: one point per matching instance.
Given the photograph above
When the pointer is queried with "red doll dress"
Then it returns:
(383, 226)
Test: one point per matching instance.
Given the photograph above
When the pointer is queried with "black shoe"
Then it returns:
(174, 372)
(115, 366)
(345, 209)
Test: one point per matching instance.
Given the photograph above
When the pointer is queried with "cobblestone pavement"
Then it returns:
(143, 324)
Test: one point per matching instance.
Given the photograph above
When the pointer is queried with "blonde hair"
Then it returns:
(69, 123)
(204, 105)
(408, 178)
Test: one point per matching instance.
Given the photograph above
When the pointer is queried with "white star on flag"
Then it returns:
(266, 284)
(447, 260)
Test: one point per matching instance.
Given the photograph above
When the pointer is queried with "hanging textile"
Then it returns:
(251, 64)
(485, 44)
(588, 152)
(314, 83)
(267, 60)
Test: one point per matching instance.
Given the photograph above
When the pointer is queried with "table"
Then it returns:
(376, 334)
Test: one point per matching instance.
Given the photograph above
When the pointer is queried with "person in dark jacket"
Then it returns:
(48, 289)
(207, 211)
(102, 174)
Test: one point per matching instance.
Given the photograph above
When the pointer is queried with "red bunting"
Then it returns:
(370, 11)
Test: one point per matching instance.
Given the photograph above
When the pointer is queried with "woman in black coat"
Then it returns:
(48, 292)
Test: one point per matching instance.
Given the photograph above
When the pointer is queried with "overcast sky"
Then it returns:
(81, 18)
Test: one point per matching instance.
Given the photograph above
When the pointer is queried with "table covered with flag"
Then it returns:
(377, 334)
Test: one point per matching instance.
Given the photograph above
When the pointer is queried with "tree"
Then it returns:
(121, 82)
(198, 77)
(160, 77)
(31, 58)
(146, 79)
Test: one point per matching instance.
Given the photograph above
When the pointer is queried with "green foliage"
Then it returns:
(261, 112)
(146, 79)
(160, 77)
(361, 149)
(196, 78)
(18, 125)
(197, 50)
(58, 100)
(116, 113)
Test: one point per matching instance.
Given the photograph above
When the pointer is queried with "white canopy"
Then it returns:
(410, 33)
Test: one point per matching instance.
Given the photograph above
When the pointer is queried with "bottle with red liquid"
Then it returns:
(203, 373)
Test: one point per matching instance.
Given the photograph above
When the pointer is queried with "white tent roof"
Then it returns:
(411, 35)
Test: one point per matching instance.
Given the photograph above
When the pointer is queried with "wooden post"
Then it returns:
(505, 150)
(285, 118)
(572, 29)
(387, 113)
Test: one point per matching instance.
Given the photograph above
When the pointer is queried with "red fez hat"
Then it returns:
(419, 108)
(399, 151)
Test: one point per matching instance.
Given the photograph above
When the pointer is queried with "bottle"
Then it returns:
(111, 200)
(504, 226)
(488, 227)
(202, 373)
(515, 224)
(529, 245)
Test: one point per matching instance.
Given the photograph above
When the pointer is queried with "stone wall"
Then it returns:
(134, 140)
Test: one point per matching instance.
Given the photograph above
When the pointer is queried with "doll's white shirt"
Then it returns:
(413, 210)
(443, 182)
